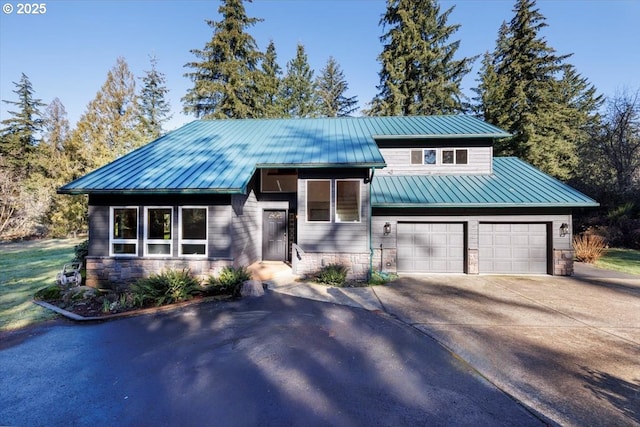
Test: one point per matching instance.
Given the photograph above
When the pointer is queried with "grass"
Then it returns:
(26, 267)
(624, 260)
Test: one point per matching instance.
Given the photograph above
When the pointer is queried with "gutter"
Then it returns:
(373, 170)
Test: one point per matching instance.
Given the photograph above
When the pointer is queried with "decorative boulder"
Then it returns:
(252, 288)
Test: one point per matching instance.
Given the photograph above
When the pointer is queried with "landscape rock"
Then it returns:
(252, 288)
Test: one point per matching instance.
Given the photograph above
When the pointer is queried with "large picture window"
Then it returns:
(158, 231)
(124, 231)
(319, 201)
(193, 231)
(347, 201)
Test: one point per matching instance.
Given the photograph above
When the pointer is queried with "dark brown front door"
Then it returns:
(274, 235)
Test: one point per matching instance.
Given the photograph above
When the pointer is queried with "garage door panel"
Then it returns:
(431, 247)
(513, 248)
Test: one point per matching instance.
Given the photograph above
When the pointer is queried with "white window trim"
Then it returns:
(306, 201)
(114, 241)
(422, 163)
(147, 241)
(455, 156)
(335, 204)
(204, 241)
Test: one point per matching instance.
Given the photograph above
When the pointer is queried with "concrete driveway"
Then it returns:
(568, 347)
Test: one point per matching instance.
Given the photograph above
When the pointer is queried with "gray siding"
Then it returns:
(219, 231)
(399, 163)
(98, 231)
(245, 225)
(333, 236)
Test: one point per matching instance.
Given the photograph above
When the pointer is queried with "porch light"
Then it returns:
(386, 229)
(564, 229)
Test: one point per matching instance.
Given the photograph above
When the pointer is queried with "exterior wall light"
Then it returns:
(386, 229)
(564, 229)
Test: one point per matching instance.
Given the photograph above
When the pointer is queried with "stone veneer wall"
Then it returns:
(388, 256)
(114, 273)
(311, 262)
(563, 262)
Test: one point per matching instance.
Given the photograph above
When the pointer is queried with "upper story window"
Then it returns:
(319, 200)
(279, 180)
(193, 231)
(123, 234)
(158, 232)
(429, 156)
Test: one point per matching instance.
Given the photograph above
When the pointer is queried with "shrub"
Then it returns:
(588, 247)
(165, 288)
(228, 281)
(381, 277)
(332, 275)
(81, 251)
(49, 293)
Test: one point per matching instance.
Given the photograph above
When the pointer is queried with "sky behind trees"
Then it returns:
(67, 51)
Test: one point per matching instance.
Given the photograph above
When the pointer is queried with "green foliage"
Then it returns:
(52, 292)
(225, 75)
(331, 87)
(588, 247)
(298, 95)
(154, 108)
(381, 277)
(624, 260)
(269, 85)
(81, 251)
(529, 90)
(419, 74)
(228, 282)
(168, 287)
(332, 275)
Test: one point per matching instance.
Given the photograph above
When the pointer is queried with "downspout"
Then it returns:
(370, 227)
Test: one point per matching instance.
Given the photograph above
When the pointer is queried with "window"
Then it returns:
(158, 232)
(124, 231)
(416, 157)
(423, 157)
(457, 157)
(348, 201)
(430, 157)
(319, 201)
(193, 231)
(279, 180)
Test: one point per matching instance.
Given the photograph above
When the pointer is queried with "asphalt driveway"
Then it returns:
(569, 347)
(277, 360)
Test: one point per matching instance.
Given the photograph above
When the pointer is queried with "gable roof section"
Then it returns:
(513, 183)
(220, 156)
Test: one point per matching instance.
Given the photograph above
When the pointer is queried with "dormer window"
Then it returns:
(426, 156)
(455, 157)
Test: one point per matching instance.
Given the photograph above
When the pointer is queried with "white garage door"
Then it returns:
(430, 248)
(513, 248)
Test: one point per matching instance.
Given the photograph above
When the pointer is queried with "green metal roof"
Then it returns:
(513, 183)
(220, 156)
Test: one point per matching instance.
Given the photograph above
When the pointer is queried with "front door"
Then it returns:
(274, 235)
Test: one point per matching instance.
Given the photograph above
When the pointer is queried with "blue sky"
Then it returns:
(67, 51)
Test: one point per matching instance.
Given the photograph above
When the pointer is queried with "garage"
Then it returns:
(513, 248)
(430, 247)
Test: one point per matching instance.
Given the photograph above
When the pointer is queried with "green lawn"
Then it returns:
(26, 267)
(624, 260)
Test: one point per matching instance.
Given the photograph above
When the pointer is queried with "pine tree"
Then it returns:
(332, 86)
(526, 88)
(110, 127)
(298, 94)
(21, 131)
(225, 76)
(419, 73)
(269, 86)
(154, 108)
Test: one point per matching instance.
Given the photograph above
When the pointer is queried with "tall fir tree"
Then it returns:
(269, 84)
(110, 127)
(526, 88)
(419, 74)
(298, 94)
(154, 108)
(21, 131)
(225, 75)
(331, 87)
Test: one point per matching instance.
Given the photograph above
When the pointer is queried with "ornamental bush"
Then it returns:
(332, 275)
(228, 282)
(588, 247)
(168, 287)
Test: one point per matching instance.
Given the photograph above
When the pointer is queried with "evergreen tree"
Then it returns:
(269, 87)
(225, 76)
(20, 134)
(331, 86)
(110, 127)
(419, 73)
(154, 108)
(298, 94)
(529, 90)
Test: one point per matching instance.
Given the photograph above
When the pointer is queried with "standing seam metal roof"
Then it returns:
(513, 183)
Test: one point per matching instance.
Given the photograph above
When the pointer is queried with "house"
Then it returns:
(401, 194)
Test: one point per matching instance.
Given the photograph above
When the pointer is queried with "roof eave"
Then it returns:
(125, 191)
(485, 205)
(445, 136)
(375, 165)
